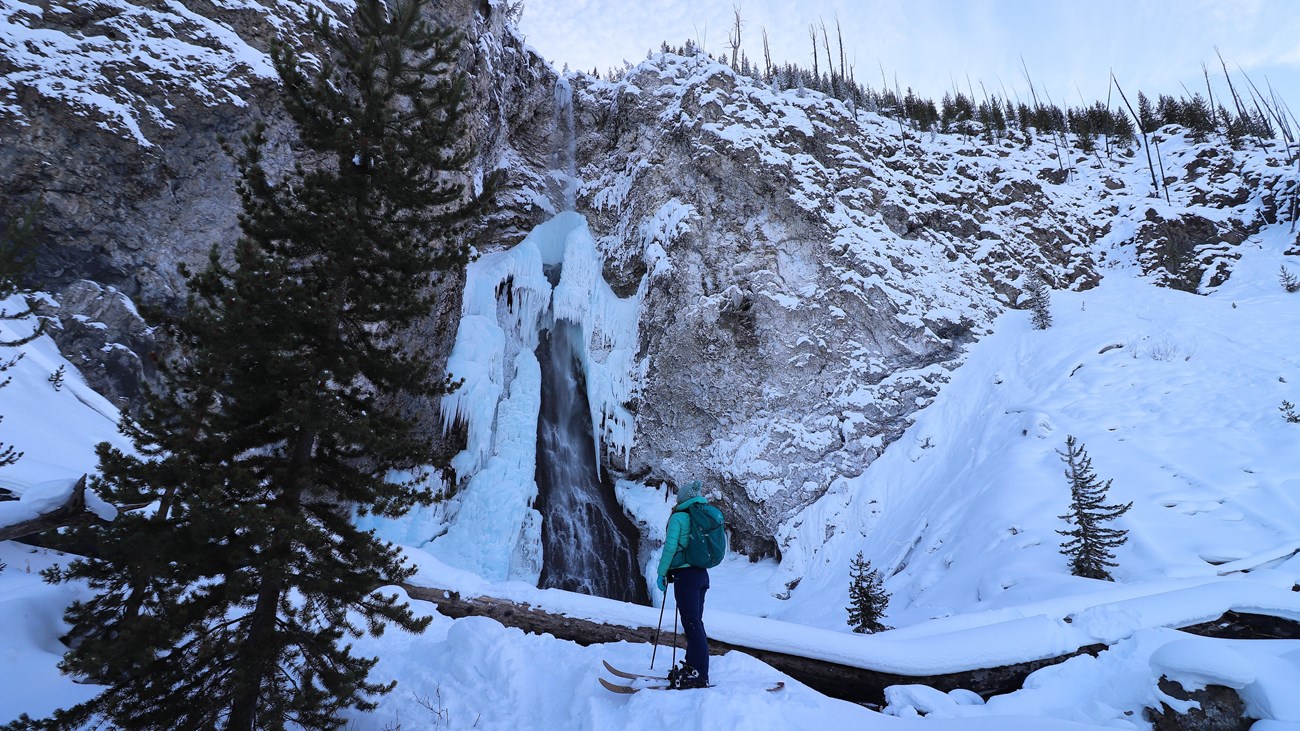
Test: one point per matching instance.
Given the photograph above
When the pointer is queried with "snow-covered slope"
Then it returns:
(1182, 416)
(1175, 397)
(825, 330)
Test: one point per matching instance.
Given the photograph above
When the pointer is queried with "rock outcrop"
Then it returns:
(811, 272)
(808, 273)
(113, 114)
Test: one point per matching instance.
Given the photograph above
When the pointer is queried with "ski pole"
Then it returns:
(662, 606)
(674, 636)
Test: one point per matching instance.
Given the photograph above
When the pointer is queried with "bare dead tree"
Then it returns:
(767, 57)
(1268, 111)
(1236, 100)
(1109, 90)
(839, 36)
(1160, 160)
(1137, 120)
(1214, 116)
(1278, 113)
(733, 37)
(812, 33)
(826, 43)
(1284, 112)
(898, 97)
(1063, 148)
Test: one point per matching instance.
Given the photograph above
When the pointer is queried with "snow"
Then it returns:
(44, 423)
(1175, 396)
(1197, 662)
(120, 68)
(992, 591)
(45, 497)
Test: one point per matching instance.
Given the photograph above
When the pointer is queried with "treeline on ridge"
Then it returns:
(993, 117)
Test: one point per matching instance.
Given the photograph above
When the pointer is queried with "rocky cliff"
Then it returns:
(812, 272)
(809, 272)
(112, 114)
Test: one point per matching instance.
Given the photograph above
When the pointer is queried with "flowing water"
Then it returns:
(588, 544)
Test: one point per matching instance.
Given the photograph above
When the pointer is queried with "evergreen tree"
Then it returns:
(1040, 302)
(867, 597)
(232, 604)
(1289, 281)
(1147, 119)
(1090, 545)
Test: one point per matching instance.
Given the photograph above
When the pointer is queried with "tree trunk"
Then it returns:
(260, 652)
(848, 683)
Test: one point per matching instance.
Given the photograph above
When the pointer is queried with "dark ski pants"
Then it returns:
(689, 587)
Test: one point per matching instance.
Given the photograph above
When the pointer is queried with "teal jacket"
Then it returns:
(678, 533)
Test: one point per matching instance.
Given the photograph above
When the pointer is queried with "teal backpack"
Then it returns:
(707, 541)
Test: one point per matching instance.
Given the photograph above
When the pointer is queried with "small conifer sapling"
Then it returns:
(1289, 281)
(1040, 302)
(1090, 545)
(867, 597)
(56, 378)
(1289, 413)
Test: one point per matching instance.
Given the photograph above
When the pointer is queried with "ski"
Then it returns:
(630, 689)
(630, 676)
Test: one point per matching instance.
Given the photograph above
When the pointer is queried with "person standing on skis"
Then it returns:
(695, 542)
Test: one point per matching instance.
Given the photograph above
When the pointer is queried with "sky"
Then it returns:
(1069, 48)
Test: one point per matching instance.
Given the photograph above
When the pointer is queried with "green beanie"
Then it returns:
(690, 490)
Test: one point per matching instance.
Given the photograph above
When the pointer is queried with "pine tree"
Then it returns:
(1090, 545)
(1040, 302)
(867, 597)
(233, 603)
(1148, 121)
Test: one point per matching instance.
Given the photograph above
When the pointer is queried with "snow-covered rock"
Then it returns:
(813, 272)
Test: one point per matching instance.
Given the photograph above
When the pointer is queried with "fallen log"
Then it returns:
(71, 512)
(846, 682)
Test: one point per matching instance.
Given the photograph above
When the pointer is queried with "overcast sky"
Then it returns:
(1069, 46)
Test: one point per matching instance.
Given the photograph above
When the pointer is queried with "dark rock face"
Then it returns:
(100, 331)
(1181, 252)
(141, 184)
(1220, 709)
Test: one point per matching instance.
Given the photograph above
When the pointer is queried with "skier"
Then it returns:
(690, 584)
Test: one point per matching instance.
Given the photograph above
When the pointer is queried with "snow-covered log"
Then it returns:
(841, 681)
(71, 512)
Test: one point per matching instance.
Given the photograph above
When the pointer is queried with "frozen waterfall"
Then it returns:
(547, 357)
(537, 434)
